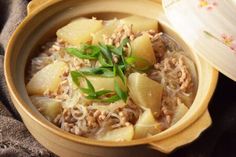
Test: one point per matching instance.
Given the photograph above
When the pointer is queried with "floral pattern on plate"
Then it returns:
(191, 18)
(225, 39)
(208, 4)
(229, 40)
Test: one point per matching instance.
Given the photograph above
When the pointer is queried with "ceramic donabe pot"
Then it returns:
(41, 23)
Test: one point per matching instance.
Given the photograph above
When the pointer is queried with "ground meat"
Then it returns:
(88, 122)
(120, 33)
(158, 45)
(173, 73)
(168, 105)
(185, 77)
(159, 48)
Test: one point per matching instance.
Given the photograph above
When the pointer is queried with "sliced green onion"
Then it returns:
(106, 53)
(118, 71)
(83, 54)
(105, 72)
(75, 75)
(130, 60)
(102, 60)
(122, 94)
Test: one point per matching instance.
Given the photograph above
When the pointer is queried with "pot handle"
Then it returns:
(184, 137)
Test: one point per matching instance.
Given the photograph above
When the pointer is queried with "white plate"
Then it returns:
(209, 26)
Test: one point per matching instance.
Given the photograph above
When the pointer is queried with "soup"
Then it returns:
(113, 80)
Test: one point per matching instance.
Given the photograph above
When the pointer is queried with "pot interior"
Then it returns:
(41, 26)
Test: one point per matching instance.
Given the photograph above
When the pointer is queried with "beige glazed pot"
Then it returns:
(44, 18)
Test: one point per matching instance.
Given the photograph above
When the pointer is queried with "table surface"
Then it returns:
(220, 138)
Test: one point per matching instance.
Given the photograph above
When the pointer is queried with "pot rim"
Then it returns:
(52, 128)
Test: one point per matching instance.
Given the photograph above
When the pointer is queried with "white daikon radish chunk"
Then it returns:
(50, 108)
(140, 23)
(120, 134)
(103, 83)
(79, 31)
(146, 125)
(47, 79)
(142, 49)
(107, 30)
(145, 92)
